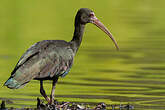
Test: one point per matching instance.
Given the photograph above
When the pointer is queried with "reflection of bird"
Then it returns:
(49, 59)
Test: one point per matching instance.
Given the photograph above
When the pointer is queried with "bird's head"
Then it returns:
(85, 15)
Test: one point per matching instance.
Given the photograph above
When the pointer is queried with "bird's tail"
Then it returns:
(12, 83)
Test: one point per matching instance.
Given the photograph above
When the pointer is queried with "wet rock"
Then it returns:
(101, 106)
(129, 107)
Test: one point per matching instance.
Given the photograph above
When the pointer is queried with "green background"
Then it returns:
(133, 75)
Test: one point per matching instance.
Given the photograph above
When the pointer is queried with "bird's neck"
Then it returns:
(77, 37)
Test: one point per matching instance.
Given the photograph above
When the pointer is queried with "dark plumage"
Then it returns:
(49, 59)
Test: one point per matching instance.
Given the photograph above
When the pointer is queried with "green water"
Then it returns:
(133, 75)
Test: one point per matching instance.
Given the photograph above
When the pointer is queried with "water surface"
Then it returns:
(133, 75)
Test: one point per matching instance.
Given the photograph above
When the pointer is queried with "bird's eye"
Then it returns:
(91, 15)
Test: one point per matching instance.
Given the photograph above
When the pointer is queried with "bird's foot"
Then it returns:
(51, 101)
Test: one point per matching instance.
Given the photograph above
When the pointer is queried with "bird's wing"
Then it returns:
(32, 51)
(49, 63)
(43, 60)
(56, 63)
(17, 78)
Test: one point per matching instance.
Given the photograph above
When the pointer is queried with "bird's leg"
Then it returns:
(53, 90)
(43, 93)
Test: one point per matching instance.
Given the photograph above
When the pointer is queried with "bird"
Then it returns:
(52, 59)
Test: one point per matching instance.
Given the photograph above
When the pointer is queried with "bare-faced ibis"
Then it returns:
(51, 59)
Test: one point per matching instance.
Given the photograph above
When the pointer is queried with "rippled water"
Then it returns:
(133, 75)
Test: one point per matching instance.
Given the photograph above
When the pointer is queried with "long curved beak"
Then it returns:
(104, 29)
